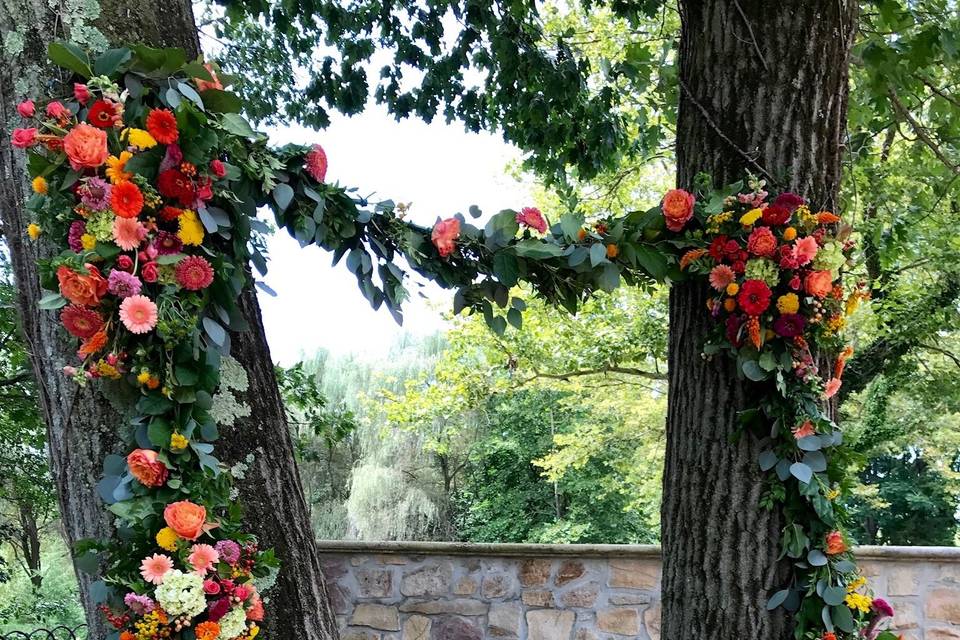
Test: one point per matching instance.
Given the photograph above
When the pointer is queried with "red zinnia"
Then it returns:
(194, 273)
(776, 215)
(80, 321)
(754, 297)
(126, 199)
(103, 114)
(162, 125)
(174, 184)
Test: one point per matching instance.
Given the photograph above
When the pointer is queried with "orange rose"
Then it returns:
(146, 468)
(86, 147)
(677, 208)
(444, 236)
(818, 283)
(82, 289)
(835, 543)
(185, 518)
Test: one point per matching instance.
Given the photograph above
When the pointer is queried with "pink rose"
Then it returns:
(56, 110)
(124, 263)
(81, 93)
(26, 109)
(211, 587)
(242, 592)
(149, 272)
(23, 138)
(86, 146)
(444, 236)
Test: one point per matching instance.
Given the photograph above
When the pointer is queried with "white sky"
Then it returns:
(439, 168)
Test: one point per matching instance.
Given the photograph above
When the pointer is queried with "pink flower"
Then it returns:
(762, 242)
(128, 233)
(720, 276)
(229, 551)
(795, 283)
(172, 158)
(202, 558)
(315, 162)
(24, 138)
(138, 314)
(149, 272)
(194, 273)
(882, 608)
(444, 236)
(167, 244)
(155, 568)
(56, 110)
(217, 168)
(81, 93)
(211, 587)
(242, 592)
(139, 604)
(804, 430)
(805, 249)
(123, 284)
(74, 234)
(26, 109)
(125, 263)
(531, 217)
(831, 388)
(95, 193)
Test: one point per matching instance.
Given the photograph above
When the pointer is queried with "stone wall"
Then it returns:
(451, 591)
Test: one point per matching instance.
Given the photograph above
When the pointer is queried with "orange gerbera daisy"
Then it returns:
(826, 217)
(95, 343)
(691, 256)
(126, 199)
(162, 125)
(116, 167)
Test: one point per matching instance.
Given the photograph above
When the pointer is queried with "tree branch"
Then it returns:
(920, 130)
(567, 376)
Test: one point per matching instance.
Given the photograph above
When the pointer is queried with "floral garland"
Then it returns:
(151, 193)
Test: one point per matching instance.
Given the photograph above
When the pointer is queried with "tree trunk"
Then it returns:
(81, 425)
(763, 89)
(30, 544)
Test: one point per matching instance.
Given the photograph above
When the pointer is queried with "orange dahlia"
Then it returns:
(126, 199)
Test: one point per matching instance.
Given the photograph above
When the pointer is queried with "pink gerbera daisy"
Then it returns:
(194, 273)
(202, 558)
(721, 276)
(805, 250)
(533, 218)
(315, 163)
(138, 314)
(155, 568)
(830, 389)
(128, 233)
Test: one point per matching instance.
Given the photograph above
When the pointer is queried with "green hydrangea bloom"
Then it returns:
(763, 269)
(233, 624)
(182, 594)
(830, 258)
(100, 225)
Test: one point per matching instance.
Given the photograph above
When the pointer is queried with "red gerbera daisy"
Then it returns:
(126, 199)
(162, 125)
(102, 114)
(169, 213)
(754, 297)
(194, 273)
(80, 321)
(174, 184)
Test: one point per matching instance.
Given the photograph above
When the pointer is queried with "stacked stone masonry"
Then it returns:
(442, 591)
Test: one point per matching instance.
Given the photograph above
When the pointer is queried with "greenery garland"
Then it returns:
(148, 180)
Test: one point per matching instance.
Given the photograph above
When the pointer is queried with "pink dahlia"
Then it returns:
(194, 273)
(128, 233)
(155, 568)
(123, 284)
(95, 194)
(229, 551)
(138, 314)
(533, 218)
(80, 321)
(315, 163)
(202, 558)
(167, 243)
(720, 276)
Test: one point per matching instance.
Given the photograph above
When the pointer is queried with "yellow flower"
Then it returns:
(856, 584)
(191, 229)
(732, 289)
(34, 231)
(853, 302)
(833, 494)
(139, 138)
(788, 303)
(88, 241)
(39, 185)
(177, 441)
(116, 167)
(167, 539)
(859, 602)
(750, 217)
(143, 377)
(107, 370)
(254, 631)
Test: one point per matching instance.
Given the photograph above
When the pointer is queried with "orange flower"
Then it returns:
(829, 635)
(126, 635)
(845, 355)
(835, 543)
(94, 343)
(818, 283)
(214, 83)
(207, 630)
(86, 147)
(753, 330)
(612, 251)
(444, 236)
(690, 257)
(804, 430)
(126, 200)
(677, 208)
(825, 217)
(82, 289)
(581, 234)
(116, 167)
(730, 304)
(185, 518)
(162, 125)
(145, 467)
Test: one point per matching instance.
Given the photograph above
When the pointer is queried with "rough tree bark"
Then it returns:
(81, 426)
(763, 88)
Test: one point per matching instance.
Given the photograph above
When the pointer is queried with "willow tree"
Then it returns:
(82, 428)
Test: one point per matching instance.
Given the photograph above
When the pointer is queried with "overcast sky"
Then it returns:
(439, 168)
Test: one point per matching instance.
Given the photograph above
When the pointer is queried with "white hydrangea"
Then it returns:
(182, 594)
(233, 624)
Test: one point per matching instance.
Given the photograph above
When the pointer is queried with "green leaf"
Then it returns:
(190, 93)
(571, 224)
(598, 254)
(538, 249)
(652, 261)
(816, 558)
(777, 599)
(515, 318)
(842, 618)
(283, 195)
(154, 405)
(216, 331)
(186, 376)
(501, 228)
(768, 362)
(801, 472)
(751, 369)
(834, 596)
(237, 125)
(506, 268)
(159, 433)
(768, 460)
(111, 60)
(609, 278)
(219, 101)
(70, 56)
(52, 301)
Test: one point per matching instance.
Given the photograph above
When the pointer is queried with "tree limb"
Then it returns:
(920, 130)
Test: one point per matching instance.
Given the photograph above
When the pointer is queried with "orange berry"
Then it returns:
(789, 234)
(730, 304)
(612, 251)
(582, 235)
